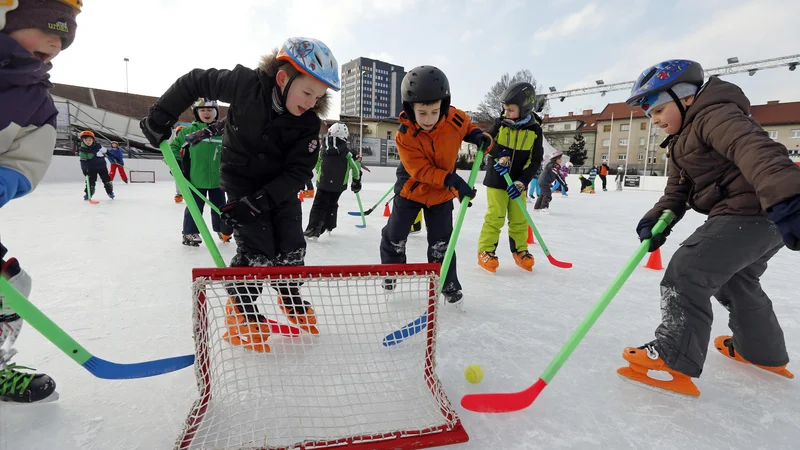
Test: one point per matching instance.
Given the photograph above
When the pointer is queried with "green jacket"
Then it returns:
(200, 163)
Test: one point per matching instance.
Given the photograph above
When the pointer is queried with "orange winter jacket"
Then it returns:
(426, 157)
(603, 170)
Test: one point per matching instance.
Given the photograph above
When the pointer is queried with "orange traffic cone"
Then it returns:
(654, 262)
(386, 211)
(300, 196)
(530, 236)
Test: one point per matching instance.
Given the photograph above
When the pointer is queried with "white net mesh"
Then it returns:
(341, 386)
(142, 176)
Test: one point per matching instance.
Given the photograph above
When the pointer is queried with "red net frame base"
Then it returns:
(340, 388)
(142, 176)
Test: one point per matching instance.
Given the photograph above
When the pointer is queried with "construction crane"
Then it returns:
(733, 66)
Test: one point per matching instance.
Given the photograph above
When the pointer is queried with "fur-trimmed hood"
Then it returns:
(268, 67)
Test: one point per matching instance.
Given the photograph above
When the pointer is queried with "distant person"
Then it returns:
(114, 156)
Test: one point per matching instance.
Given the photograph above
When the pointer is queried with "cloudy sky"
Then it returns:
(565, 43)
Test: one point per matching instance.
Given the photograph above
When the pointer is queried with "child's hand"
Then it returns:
(453, 180)
(786, 216)
(515, 189)
(501, 169)
(240, 212)
(644, 230)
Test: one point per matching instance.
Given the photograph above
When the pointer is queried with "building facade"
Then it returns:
(560, 131)
(782, 122)
(372, 88)
(624, 135)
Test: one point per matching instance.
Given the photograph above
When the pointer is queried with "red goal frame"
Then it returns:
(398, 440)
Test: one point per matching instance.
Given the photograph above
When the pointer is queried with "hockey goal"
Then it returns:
(342, 388)
(142, 176)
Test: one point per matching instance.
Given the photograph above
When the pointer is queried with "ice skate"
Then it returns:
(192, 240)
(524, 259)
(488, 261)
(243, 333)
(455, 299)
(178, 198)
(724, 345)
(299, 312)
(646, 358)
(313, 234)
(19, 386)
(224, 237)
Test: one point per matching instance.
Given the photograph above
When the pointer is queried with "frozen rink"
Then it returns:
(116, 277)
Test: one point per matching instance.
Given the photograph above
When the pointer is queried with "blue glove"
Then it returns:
(515, 189)
(786, 216)
(502, 170)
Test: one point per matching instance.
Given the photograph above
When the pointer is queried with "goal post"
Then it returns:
(341, 388)
(142, 176)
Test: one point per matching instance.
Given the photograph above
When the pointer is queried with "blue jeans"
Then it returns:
(217, 197)
(533, 187)
(558, 186)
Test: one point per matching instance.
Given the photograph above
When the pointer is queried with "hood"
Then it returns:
(18, 67)
(323, 105)
(717, 92)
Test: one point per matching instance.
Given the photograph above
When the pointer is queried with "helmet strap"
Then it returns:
(677, 101)
(285, 92)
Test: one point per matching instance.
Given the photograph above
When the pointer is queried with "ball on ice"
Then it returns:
(473, 373)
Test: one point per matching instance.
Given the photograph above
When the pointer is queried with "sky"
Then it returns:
(565, 43)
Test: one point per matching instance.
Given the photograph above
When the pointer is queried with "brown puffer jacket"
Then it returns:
(723, 162)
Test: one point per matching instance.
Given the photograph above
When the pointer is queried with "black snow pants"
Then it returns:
(324, 211)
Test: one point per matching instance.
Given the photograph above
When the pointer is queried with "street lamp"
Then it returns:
(552, 88)
(126, 75)
(733, 60)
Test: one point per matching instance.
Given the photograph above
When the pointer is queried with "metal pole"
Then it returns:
(126, 75)
(647, 147)
(361, 114)
(628, 150)
(610, 140)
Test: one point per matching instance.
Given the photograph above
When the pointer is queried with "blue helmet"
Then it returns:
(311, 57)
(664, 76)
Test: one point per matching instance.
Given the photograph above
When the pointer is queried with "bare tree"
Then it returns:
(491, 107)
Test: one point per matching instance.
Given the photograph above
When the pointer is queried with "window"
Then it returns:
(641, 156)
(652, 160)
(795, 134)
(604, 157)
(606, 128)
(622, 156)
(388, 135)
(606, 143)
(641, 142)
(567, 126)
(624, 127)
(551, 127)
(643, 126)
(623, 142)
(773, 134)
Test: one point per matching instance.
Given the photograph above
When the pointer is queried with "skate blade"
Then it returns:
(458, 306)
(488, 270)
(525, 268)
(49, 399)
(680, 388)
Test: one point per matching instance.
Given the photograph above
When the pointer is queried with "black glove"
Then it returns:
(193, 138)
(644, 231)
(786, 216)
(452, 180)
(355, 186)
(485, 141)
(157, 126)
(244, 211)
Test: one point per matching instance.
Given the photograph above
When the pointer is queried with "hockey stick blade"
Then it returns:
(503, 402)
(93, 202)
(276, 327)
(357, 213)
(559, 264)
(113, 371)
(361, 226)
(406, 332)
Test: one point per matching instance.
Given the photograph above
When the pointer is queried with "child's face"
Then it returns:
(207, 115)
(511, 111)
(44, 46)
(558, 161)
(304, 93)
(427, 115)
(88, 140)
(668, 116)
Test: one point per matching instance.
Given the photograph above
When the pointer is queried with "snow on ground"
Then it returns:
(116, 277)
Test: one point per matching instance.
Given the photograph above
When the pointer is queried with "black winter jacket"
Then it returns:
(524, 149)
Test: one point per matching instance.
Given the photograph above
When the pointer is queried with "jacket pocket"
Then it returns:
(233, 157)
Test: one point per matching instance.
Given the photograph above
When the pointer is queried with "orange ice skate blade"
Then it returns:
(306, 322)
(249, 336)
(680, 384)
(719, 343)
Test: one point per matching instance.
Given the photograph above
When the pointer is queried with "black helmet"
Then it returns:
(425, 84)
(521, 94)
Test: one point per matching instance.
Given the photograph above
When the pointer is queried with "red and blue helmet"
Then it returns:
(662, 77)
(313, 58)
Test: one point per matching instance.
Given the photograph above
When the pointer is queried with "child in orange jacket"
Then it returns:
(428, 141)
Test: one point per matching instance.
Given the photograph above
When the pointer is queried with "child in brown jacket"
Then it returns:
(724, 165)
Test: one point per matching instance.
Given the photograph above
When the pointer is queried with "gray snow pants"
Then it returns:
(723, 258)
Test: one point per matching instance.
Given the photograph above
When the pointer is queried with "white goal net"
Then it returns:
(367, 379)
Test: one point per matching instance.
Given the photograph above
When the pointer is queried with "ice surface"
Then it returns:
(116, 277)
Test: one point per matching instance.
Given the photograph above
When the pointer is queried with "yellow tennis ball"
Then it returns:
(473, 373)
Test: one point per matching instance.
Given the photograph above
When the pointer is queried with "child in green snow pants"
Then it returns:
(499, 205)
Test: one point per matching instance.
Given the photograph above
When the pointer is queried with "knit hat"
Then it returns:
(52, 16)
(656, 99)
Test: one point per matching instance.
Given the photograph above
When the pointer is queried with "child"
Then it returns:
(586, 185)
(334, 168)
(564, 172)
(518, 153)
(178, 196)
(533, 186)
(114, 156)
(93, 163)
(723, 164)
(603, 173)
(426, 179)
(619, 177)
(198, 148)
(592, 176)
(550, 174)
(270, 147)
(32, 34)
